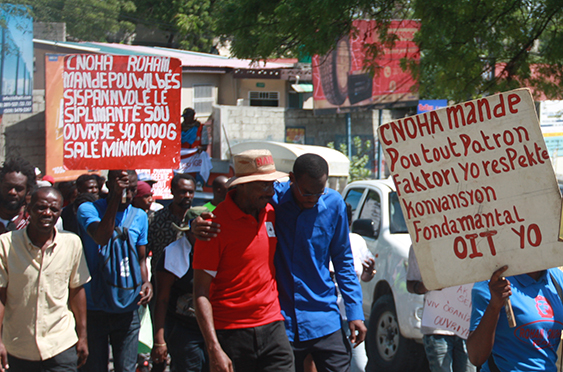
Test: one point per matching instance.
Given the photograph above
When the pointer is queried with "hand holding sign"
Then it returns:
(499, 287)
(500, 290)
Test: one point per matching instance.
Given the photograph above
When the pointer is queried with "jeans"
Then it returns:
(447, 354)
(62, 362)
(185, 346)
(121, 331)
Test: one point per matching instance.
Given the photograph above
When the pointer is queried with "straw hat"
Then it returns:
(254, 165)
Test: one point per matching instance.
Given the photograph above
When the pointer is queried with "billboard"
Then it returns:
(16, 59)
(477, 189)
(341, 82)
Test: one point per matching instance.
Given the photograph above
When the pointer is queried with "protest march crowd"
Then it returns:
(264, 277)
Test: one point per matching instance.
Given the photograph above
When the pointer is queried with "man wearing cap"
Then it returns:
(194, 134)
(143, 200)
(154, 206)
(235, 290)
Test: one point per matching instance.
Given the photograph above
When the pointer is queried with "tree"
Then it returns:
(475, 47)
(358, 162)
(91, 20)
(189, 23)
(263, 29)
(468, 48)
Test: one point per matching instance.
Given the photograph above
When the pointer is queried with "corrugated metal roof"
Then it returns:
(188, 58)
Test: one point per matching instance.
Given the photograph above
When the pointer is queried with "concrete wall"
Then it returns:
(24, 134)
(320, 130)
(234, 124)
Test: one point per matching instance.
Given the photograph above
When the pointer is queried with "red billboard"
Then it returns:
(342, 83)
(121, 112)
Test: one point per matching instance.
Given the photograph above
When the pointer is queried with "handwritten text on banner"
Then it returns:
(477, 189)
(121, 111)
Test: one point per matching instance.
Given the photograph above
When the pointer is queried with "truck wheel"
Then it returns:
(334, 69)
(386, 348)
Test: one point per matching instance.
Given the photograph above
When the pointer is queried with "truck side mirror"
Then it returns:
(365, 227)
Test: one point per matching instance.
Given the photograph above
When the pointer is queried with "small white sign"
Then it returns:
(449, 309)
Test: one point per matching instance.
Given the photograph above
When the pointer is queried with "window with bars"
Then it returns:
(269, 99)
(203, 99)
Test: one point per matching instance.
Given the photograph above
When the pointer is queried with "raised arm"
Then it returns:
(480, 342)
(102, 231)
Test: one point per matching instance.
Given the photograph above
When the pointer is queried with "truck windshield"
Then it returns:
(397, 224)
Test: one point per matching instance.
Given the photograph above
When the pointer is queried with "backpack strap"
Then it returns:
(130, 218)
(123, 230)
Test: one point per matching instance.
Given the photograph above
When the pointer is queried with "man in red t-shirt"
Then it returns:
(235, 290)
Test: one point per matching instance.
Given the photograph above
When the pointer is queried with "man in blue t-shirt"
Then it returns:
(97, 222)
(538, 311)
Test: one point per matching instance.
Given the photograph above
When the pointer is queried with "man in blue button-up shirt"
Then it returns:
(312, 230)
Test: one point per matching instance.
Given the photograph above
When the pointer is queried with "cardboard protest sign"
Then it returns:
(449, 309)
(477, 189)
(121, 112)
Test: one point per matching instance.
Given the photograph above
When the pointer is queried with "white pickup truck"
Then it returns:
(394, 341)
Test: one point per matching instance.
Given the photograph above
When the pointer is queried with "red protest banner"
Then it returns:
(341, 81)
(121, 112)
